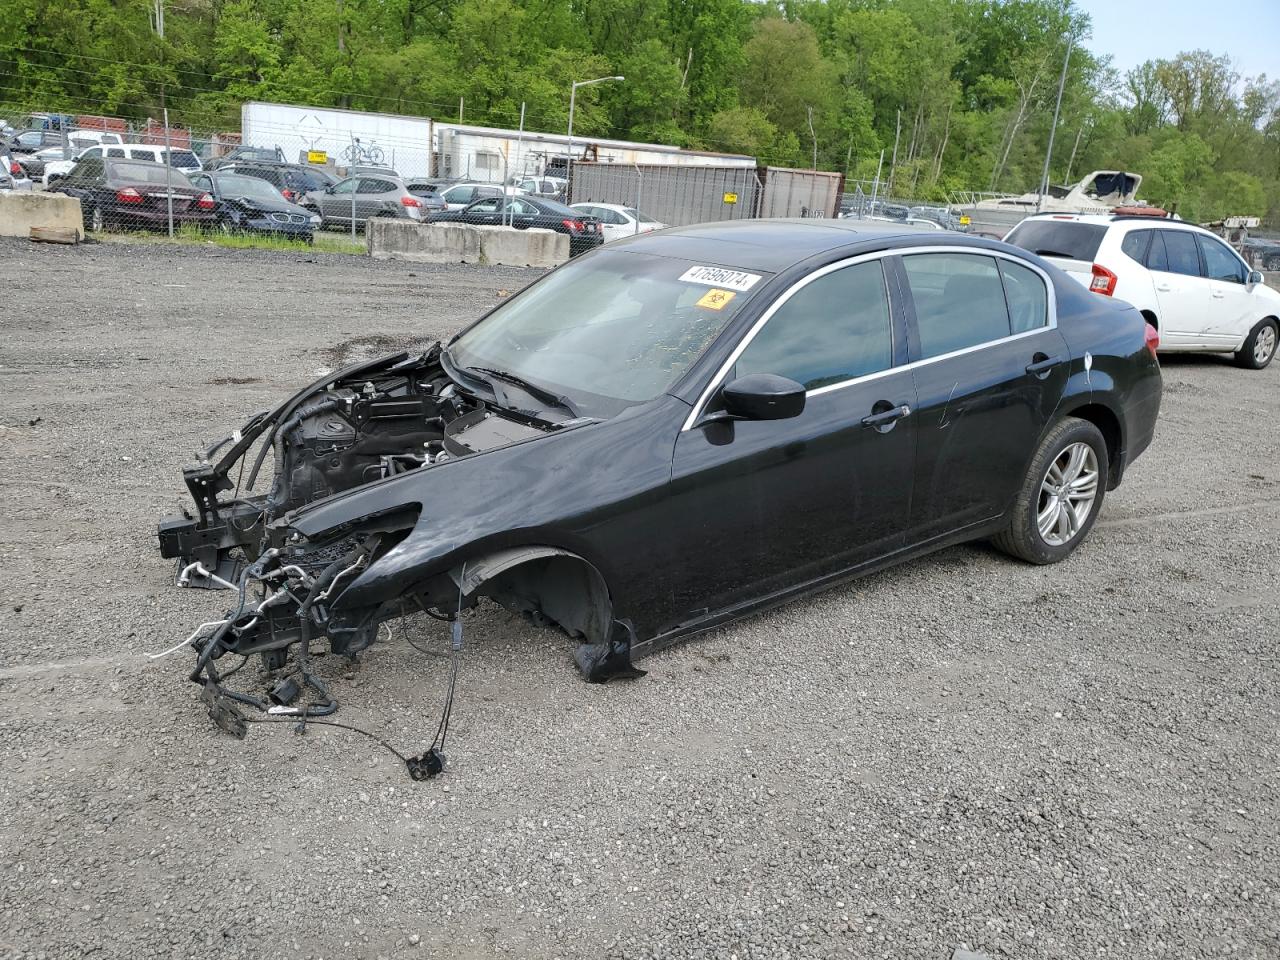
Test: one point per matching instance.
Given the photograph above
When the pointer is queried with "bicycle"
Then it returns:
(358, 153)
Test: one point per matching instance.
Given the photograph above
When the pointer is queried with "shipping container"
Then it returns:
(679, 195)
(340, 138)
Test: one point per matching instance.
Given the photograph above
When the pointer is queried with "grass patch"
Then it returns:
(187, 235)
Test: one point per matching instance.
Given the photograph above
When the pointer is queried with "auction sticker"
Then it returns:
(721, 277)
(716, 299)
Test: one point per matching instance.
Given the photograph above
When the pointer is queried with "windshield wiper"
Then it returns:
(1053, 253)
(538, 393)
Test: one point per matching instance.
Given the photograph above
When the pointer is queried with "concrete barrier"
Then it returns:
(389, 239)
(19, 212)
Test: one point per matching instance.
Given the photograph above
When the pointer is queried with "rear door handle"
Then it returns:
(1164, 287)
(883, 420)
(1218, 294)
(1041, 364)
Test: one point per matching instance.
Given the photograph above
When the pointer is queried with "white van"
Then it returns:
(183, 160)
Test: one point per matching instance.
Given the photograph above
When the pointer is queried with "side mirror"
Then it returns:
(760, 396)
(1255, 276)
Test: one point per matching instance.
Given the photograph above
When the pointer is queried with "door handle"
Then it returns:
(884, 419)
(1041, 364)
(1164, 287)
(1218, 294)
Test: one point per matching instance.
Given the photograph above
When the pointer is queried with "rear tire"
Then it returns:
(1060, 496)
(1260, 346)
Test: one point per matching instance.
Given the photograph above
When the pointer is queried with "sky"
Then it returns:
(1132, 31)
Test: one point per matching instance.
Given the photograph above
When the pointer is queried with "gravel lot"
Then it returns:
(1073, 761)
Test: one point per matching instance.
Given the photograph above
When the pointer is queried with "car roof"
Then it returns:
(776, 244)
(1112, 219)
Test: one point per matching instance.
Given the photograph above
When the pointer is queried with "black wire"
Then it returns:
(332, 723)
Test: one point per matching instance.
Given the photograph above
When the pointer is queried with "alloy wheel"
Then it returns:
(1264, 345)
(96, 221)
(1067, 493)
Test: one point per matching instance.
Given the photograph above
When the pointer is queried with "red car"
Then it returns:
(133, 194)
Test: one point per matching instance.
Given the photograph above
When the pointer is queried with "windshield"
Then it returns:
(236, 186)
(610, 331)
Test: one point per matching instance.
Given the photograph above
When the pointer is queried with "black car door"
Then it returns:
(766, 505)
(483, 212)
(990, 367)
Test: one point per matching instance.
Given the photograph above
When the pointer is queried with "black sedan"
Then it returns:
(671, 433)
(134, 194)
(249, 205)
(523, 212)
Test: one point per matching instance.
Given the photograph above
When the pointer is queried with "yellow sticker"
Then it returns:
(716, 299)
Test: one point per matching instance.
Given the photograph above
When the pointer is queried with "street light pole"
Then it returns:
(573, 96)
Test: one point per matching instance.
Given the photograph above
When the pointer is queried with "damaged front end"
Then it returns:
(298, 583)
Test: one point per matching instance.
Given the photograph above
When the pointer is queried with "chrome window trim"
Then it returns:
(1050, 304)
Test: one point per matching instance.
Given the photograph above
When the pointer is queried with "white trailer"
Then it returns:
(343, 137)
(492, 155)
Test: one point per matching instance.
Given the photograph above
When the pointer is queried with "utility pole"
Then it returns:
(573, 96)
(1048, 154)
(893, 164)
(813, 136)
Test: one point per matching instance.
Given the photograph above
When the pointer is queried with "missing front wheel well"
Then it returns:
(552, 586)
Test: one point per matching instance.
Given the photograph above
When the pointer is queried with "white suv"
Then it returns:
(1193, 288)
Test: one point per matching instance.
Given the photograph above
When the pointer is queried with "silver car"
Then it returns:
(363, 197)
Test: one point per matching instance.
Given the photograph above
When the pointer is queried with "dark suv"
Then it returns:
(293, 180)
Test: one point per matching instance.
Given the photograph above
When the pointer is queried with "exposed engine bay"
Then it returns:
(369, 424)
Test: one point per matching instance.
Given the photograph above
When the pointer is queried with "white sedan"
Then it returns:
(619, 221)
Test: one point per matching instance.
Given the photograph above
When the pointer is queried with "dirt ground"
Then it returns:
(1073, 761)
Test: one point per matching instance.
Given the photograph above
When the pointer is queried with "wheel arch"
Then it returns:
(552, 585)
(1150, 316)
(1112, 429)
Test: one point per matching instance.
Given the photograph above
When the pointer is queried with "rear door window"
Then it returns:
(115, 152)
(831, 330)
(1135, 244)
(1220, 263)
(373, 185)
(1068, 239)
(1180, 248)
(959, 301)
(1157, 258)
(1025, 293)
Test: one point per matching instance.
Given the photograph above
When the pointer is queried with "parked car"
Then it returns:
(1263, 252)
(362, 198)
(33, 164)
(428, 191)
(12, 176)
(244, 154)
(584, 232)
(617, 221)
(249, 205)
(125, 194)
(183, 160)
(1186, 281)
(556, 188)
(670, 434)
(463, 194)
(939, 215)
(29, 141)
(293, 180)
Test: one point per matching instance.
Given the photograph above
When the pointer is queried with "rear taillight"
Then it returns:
(205, 202)
(287, 193)
(1152, 339)
(128, 195)
(574, 225)
(14, 168)
(410, 202)
(1103, 282)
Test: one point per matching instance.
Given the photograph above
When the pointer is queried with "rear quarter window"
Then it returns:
(1134, 246)
(1069, 239)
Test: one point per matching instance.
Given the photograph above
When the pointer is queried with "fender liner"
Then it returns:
(556, 586)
